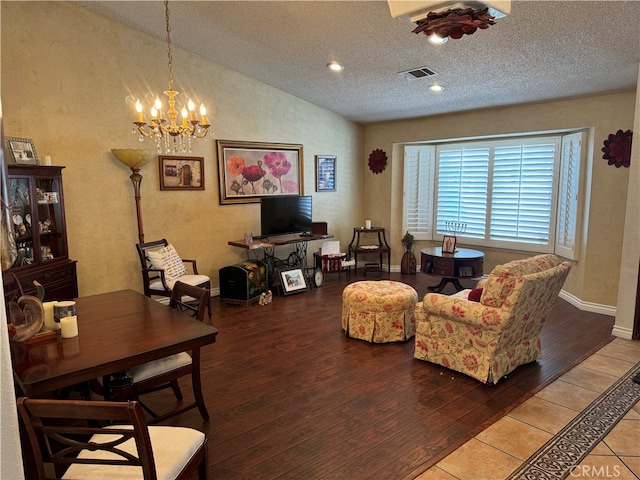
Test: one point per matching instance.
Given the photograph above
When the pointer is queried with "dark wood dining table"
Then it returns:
(116, 331)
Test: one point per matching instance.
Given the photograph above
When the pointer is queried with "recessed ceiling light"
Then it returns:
(436, 87)
(437, 39)
(335, 67)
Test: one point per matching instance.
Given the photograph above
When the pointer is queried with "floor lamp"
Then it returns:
(135, 159)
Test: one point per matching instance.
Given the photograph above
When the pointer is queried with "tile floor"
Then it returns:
(504, 446)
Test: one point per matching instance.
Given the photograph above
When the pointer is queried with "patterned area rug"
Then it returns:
(573, 443)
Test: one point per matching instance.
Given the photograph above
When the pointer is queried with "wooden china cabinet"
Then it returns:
(36, 202)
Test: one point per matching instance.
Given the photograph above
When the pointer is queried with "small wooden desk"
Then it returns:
(117, 331)
(451, 267)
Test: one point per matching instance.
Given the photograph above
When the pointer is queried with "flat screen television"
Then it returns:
(284, 215)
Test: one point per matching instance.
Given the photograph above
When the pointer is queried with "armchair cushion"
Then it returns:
(475, 294)
(500, 283)
(167, 259)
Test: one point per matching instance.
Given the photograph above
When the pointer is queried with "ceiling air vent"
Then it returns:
(417, 73)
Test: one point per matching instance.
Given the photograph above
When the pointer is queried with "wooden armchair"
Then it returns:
(162, 267)
(62, 439)
(165, 372)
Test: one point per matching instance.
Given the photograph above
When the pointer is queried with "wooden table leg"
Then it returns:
(443, 283)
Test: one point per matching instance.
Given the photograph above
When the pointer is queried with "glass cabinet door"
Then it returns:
(22, 219)
(37, 216)
(49, 212)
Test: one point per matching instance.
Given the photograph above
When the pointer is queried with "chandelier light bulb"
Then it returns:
(139, 110)
(203, 114)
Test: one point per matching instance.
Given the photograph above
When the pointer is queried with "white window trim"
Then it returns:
(568, 196)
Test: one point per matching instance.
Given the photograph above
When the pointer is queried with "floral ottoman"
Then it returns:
(379, 311)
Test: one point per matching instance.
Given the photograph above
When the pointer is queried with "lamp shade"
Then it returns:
(134, 157)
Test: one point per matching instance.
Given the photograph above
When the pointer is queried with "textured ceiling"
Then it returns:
(543, 50)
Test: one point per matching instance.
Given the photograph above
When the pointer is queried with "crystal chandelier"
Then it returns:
(170, 135)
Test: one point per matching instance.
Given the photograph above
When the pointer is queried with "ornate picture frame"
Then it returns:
(23, 151)
(249, 171)
(181, 173)
(325, 173)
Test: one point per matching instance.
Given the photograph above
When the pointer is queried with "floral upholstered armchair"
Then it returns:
(496, 330)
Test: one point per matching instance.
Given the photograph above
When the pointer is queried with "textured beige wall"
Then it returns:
(594, 278)
(66, 74)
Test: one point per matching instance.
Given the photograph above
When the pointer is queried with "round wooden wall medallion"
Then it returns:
(377, 161)
(617, 148)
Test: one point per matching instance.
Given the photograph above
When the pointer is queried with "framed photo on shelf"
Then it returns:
(325, 173)
(448, 244)
(249, 171)
(23, 151)
(181, 173)
(292, 281)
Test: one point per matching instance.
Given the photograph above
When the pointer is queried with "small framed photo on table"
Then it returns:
(292, 281)
(448, 244)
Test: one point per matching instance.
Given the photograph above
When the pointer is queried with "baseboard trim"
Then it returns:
(588, 306)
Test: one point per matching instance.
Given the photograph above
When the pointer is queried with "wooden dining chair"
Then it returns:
(67, 442)
(165, 372)
(162, 267)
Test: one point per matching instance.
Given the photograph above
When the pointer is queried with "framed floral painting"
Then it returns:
(250, 171)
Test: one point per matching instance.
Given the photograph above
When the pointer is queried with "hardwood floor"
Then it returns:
(291, 397)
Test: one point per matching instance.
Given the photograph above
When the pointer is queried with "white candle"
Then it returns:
(69, 326)
(49, 322)
(47, 159)
(367, 224)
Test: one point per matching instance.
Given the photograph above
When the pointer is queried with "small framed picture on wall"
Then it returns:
(181, 173)
(325, 173)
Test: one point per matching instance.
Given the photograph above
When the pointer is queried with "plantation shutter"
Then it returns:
(462, 189)
(522, 196)
(418, 190)
(566, 243)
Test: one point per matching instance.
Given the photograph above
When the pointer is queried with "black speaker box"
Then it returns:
(319, 228)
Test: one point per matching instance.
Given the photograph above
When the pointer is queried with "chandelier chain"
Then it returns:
(170, 57)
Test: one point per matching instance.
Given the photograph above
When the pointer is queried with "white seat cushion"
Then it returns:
(167, 259)
(173, 448)
(188, 279)
(157, 367)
